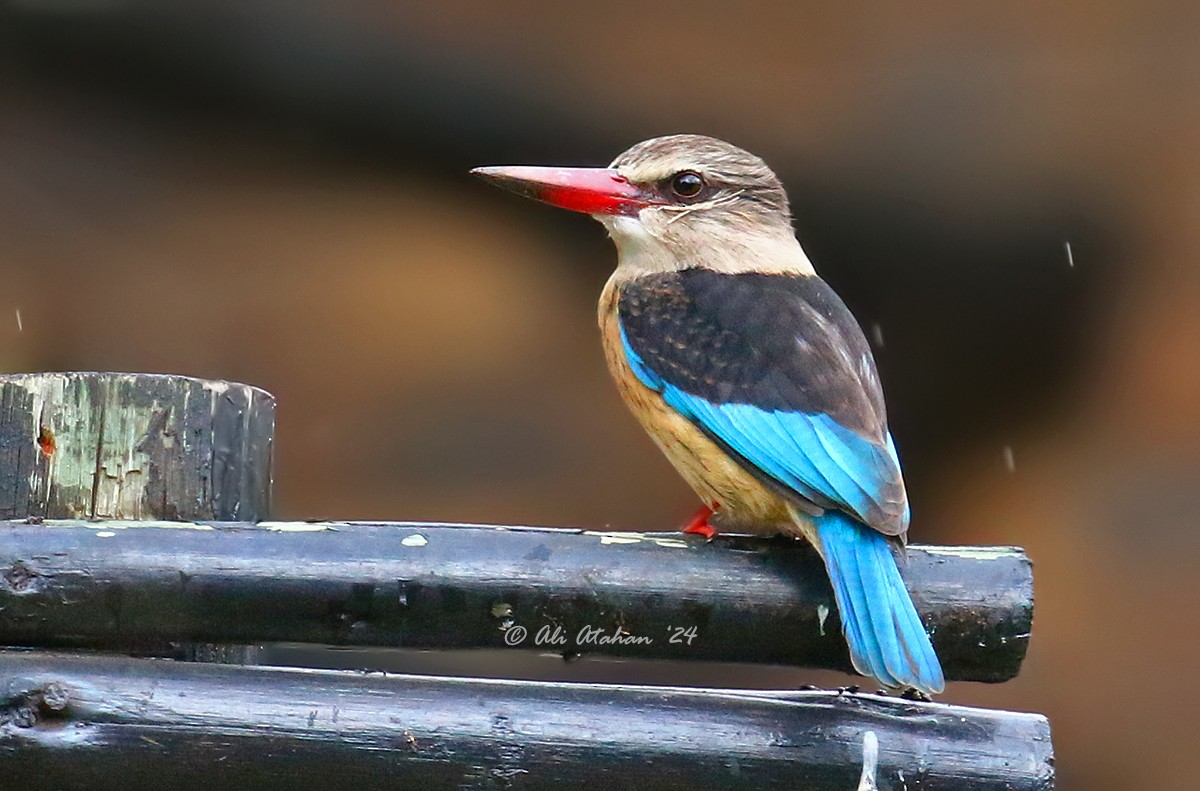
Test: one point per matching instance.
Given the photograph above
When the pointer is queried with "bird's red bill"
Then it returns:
(586, 190)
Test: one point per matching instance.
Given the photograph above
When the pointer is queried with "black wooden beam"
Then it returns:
(142, 586)
(76, 722)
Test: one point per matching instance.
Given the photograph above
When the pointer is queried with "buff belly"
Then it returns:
(742, 500)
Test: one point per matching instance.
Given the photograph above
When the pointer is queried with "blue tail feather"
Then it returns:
(882, 628)
(865, 650)
(877, 609)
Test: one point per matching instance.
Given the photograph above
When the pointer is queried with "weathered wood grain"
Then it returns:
(133, 446)
(71, 722)
(737, 599)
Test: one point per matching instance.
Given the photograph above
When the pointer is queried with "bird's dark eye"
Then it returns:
(687, 184)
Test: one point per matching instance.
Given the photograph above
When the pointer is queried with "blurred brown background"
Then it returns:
(275, 192)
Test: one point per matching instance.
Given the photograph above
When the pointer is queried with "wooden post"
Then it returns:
(136, 447)
(133, 447)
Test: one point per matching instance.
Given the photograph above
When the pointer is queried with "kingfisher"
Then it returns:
(750, 373)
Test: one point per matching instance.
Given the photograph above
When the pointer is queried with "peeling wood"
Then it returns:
(133, 447)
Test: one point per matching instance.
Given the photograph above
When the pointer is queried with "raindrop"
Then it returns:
(503, 612)
(1010, 463)
(877, 334)
(20, 326)
(1070, 258)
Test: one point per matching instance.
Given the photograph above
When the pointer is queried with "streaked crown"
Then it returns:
(705, 173)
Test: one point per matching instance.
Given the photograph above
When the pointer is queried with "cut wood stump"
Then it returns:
(133, 446)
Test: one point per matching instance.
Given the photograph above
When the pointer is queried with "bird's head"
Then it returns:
(674, 203)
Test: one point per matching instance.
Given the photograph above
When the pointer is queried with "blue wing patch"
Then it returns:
(810, 454)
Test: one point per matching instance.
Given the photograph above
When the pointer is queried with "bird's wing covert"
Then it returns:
(776, 370)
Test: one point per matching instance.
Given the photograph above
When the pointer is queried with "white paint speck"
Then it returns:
(972, 553)
(105, 534)
(1070, 257)
(127, 524)
(1010, 463)
(20, 326)
(877, 334)
(673, 543)
(296, 527)
(415, 540)
(616, 538)
(822, 614)
(870, 762)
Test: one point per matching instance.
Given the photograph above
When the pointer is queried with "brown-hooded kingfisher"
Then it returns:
(750, 373)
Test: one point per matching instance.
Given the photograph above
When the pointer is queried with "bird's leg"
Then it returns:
(699, 523)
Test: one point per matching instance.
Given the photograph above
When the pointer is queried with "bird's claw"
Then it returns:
(706, 530)
(698, 524)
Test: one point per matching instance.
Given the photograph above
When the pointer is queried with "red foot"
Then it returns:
(699, 525)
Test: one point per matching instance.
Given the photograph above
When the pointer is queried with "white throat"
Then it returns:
(653, 243)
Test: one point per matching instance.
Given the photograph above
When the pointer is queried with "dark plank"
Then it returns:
(72, 722)
(738, 599)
